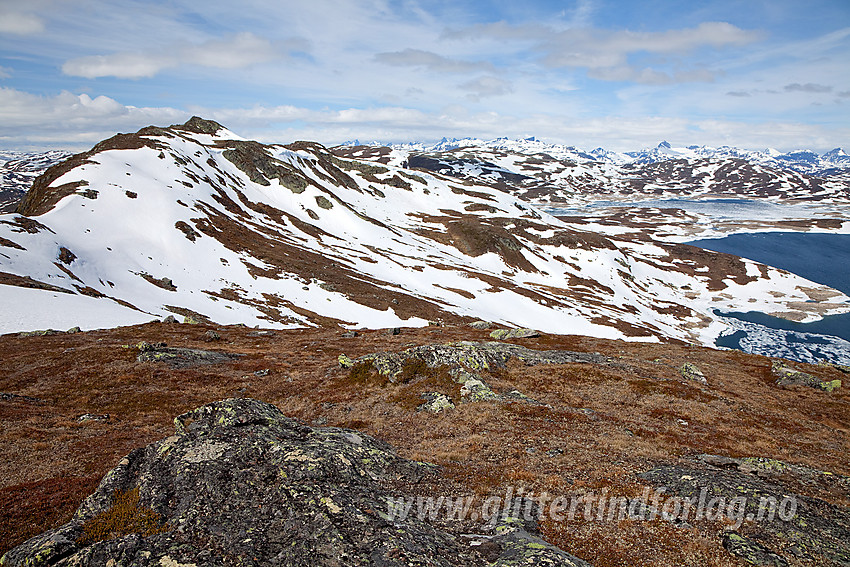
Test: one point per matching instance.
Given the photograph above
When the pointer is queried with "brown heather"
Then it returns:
(601, 425)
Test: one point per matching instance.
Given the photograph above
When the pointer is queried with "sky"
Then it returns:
(589, 73)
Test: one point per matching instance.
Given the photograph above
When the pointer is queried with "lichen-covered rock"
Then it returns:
(481, 325)
(788, 376)
(751, 551)
(691, 371)
(39, 333)
(473, 356)
(520, 545)
(435, 402)
(180, 357)
(502, 334)
(241, 484)
(324, 202)
(474, 390)
(768, 492)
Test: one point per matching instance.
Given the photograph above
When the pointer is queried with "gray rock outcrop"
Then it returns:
(241, 484)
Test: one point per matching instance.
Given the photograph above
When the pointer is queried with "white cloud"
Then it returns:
(808, 88)
(19, 23)
(430, 61)
(120, 65)
(79, 121)
(5, 72)
(241, 50)
(69, 119)
(486, 86)
(606, 53)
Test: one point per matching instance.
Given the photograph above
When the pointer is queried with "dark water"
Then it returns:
(822, 258)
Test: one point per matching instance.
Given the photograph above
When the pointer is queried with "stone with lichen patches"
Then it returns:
(691, 371)
(502, 334)
(435, 402)
(788, 376)
(276, 491)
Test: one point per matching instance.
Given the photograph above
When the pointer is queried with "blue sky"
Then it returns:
(622, 75)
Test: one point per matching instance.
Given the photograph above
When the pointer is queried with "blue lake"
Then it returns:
(822, 258)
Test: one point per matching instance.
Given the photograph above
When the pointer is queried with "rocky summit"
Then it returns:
(239, 483)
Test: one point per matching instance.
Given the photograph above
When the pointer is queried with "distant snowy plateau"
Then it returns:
(192, 220)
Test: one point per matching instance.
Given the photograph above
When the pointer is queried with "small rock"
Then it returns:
(261, 333)
(482, 325)
(692, 372)
(93, 417)
(345, 361)
(502, 334)
(211, 335)
(520, 397)
(170, 319)
(435, 402)
(261, 373)
(393, 331)
(189, 320)
(350, 334)
(39, 333)
(74, 330)
(475, 390)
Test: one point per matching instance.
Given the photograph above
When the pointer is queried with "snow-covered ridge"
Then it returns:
(802, 161)
(193, 220)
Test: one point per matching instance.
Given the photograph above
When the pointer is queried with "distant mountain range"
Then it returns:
(802, 161)
(193, 220)
(550, 174)
(19, 169)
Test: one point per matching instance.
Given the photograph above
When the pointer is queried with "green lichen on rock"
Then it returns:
(473, 356)
(344, 361)
(768, 492)
(39, 333)
(475, 390)
(180, 357)
(520, 544)
(750, 551)
(502, 334)
(788, 376)
(691, 371)
(464, 361)
(278, 493)
(435, 402)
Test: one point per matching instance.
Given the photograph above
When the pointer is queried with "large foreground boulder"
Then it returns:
(241, 484)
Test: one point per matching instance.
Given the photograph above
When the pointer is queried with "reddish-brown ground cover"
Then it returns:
(602, 423)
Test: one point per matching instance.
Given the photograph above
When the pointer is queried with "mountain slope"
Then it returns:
(194, 220)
